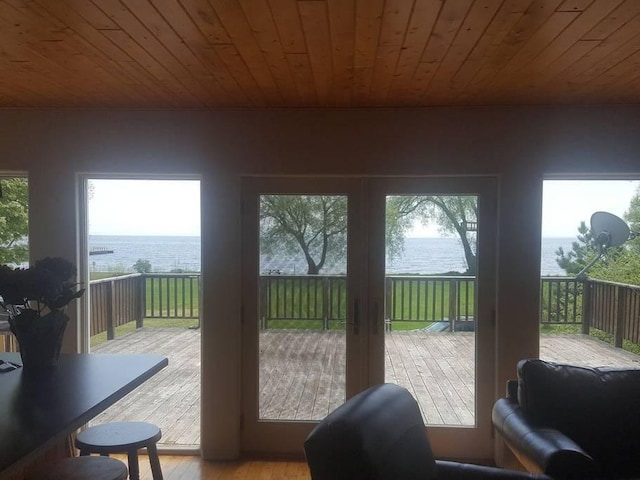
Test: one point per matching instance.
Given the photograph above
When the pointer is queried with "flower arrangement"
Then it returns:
(35, 299)
(47, 286)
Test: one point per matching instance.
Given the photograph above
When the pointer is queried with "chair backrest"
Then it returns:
(378, 434)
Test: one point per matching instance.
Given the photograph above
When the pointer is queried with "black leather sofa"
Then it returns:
(572, 422)
(379, 435)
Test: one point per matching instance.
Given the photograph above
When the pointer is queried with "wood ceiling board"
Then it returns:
(320, 53)
(287, 19)
(614, 21)
(474, 26)
(206, 21)
(423, 18)
(340, 14)
(237, 68)
(315, 26)
(232, 17)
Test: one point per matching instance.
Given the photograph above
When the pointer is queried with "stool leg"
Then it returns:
(134, 468)
(156, 471)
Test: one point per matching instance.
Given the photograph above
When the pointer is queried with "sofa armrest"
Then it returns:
(467, 471)
(541, 449)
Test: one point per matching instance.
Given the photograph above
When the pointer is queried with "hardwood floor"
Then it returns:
(194, 468)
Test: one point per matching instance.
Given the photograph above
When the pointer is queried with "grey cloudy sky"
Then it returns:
(144, 207)
(172, 207)
(567, 202)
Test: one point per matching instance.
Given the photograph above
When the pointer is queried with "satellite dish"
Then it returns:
(609, 230)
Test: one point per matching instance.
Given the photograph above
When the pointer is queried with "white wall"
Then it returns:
(518, 145)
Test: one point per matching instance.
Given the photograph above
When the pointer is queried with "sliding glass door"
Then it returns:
(302, 344)
(432, 298)
(338, 296)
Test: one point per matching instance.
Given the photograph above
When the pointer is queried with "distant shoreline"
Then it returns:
(166, 253)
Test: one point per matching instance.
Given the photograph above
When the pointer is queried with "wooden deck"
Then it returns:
(302, 374)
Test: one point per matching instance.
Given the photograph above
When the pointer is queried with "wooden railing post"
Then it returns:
(111, 331)
(586, 307)
(142, 298)
(387, 304)
(325, 303)
(453, 310)
(264, 304)
(621, 297)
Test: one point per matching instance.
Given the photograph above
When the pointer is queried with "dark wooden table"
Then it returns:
(39, 411)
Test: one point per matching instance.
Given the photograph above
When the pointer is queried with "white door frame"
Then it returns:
(365, 349)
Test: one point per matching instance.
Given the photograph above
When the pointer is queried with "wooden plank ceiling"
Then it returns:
(317, 53)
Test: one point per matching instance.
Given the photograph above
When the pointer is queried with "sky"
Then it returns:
(568, 202)
(172, 207)
(144, 207)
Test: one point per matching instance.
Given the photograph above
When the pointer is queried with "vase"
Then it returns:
(39, 337)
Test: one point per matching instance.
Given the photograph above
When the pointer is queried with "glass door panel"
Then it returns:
(433, 294)
(301, 306)
(430, 304)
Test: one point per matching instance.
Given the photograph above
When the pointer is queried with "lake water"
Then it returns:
(421, 255)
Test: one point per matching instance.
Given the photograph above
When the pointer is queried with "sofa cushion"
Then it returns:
(596, 407)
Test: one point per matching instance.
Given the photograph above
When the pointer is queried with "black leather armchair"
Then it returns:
(572, 422)
(379, 435)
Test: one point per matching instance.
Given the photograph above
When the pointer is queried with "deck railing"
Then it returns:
(561, 300)
(116, 301)
(430, 299)
(613, 308)
(312, 300)
(317, 301)
(321, 301)
(119, 300)
(172, 295)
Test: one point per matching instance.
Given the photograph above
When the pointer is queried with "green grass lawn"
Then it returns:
(338, 325)
(167, 295)
(428, 301)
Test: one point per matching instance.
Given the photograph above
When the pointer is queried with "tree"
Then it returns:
(455, 215)
(582, 252)
(622, 266)
(617, 264)
(142, 266)
(14, 221)
(632, 216)
(316, 225)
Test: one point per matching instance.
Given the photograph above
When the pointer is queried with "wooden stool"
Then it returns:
(81, 468)
(123, 437)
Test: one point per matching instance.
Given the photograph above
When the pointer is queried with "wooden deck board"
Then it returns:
(302, 374)
(170, 399)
